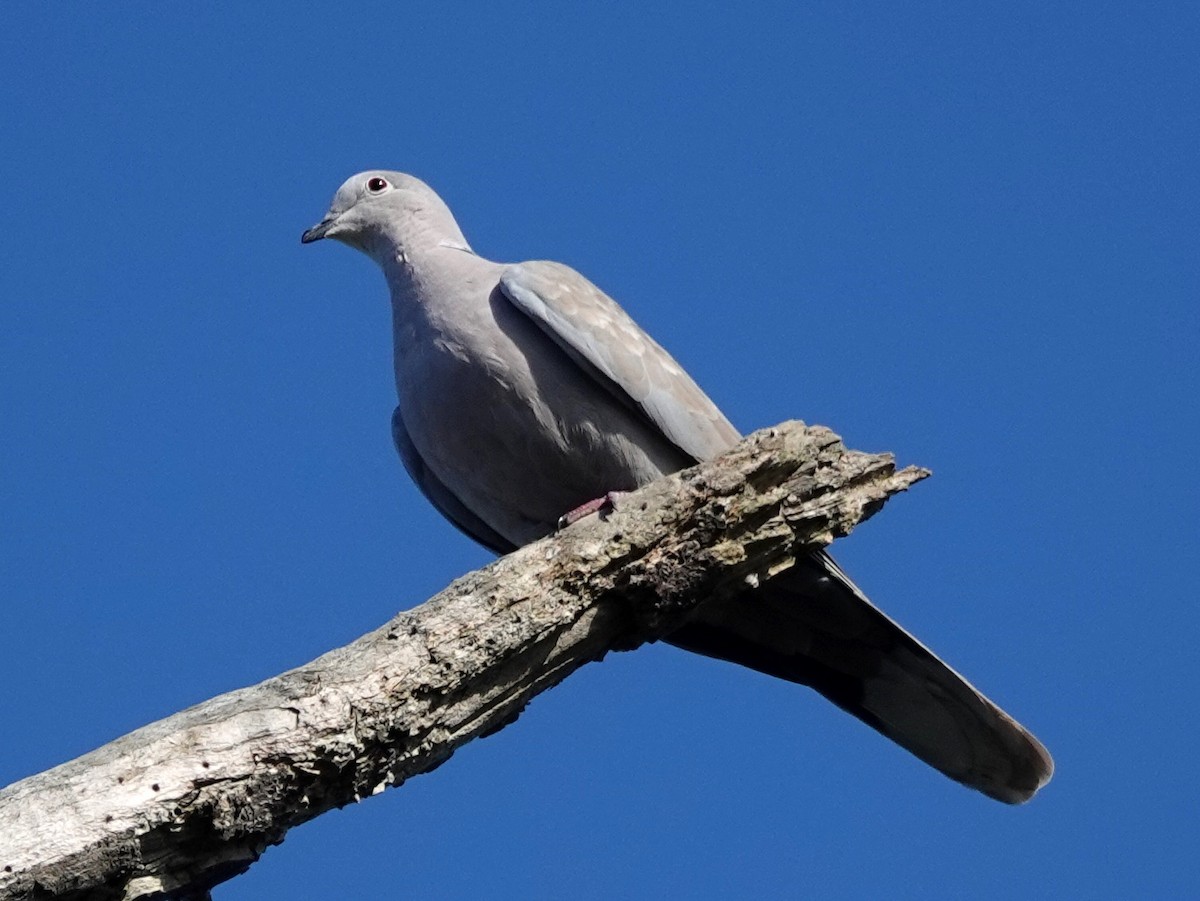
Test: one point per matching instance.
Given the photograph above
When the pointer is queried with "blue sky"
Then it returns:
(967, 236)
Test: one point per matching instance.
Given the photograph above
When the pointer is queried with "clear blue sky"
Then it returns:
(968, 236)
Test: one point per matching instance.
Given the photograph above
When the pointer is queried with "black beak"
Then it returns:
(317, 232)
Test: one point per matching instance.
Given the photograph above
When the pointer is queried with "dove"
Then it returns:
(525, 392)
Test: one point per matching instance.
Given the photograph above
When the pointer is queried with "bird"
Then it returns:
(525, 392)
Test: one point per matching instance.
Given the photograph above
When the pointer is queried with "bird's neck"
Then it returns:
(440, 305)
(416, 270)
(438, 280)
(416, 250)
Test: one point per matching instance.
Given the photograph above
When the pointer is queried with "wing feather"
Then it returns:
(591, 327)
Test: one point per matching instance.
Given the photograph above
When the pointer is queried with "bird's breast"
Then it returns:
(510, 424)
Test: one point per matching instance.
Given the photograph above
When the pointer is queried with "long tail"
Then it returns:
(812, 625)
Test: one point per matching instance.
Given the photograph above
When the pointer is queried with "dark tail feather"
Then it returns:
(812, 625)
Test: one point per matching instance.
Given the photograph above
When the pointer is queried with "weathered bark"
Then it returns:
(185, 803)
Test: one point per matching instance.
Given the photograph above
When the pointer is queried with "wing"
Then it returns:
(602, 338)
(440, 496)
(812, 625)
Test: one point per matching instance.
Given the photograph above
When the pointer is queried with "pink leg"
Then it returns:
(596, 505)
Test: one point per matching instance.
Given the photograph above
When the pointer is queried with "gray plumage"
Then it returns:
(525, 391)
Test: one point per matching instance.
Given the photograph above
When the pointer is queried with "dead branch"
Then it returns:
(192, 800)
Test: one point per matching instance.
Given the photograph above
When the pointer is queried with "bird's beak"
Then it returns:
(318, 231)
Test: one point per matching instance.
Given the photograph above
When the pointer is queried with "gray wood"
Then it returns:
(192, 800)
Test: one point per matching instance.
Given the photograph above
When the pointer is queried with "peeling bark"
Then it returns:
(183, 804)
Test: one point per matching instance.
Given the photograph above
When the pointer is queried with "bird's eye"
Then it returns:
(377, 185)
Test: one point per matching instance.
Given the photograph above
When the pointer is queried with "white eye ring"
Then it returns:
(377, 185)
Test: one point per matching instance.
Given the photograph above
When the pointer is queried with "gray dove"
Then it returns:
(526, 392)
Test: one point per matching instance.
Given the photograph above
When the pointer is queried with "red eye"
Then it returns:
(377, 185)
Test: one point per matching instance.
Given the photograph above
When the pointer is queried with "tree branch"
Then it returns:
(192, 800)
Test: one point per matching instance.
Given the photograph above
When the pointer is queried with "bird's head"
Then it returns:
(381, 212)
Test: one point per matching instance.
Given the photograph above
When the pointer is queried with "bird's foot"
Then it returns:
(601, 505)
